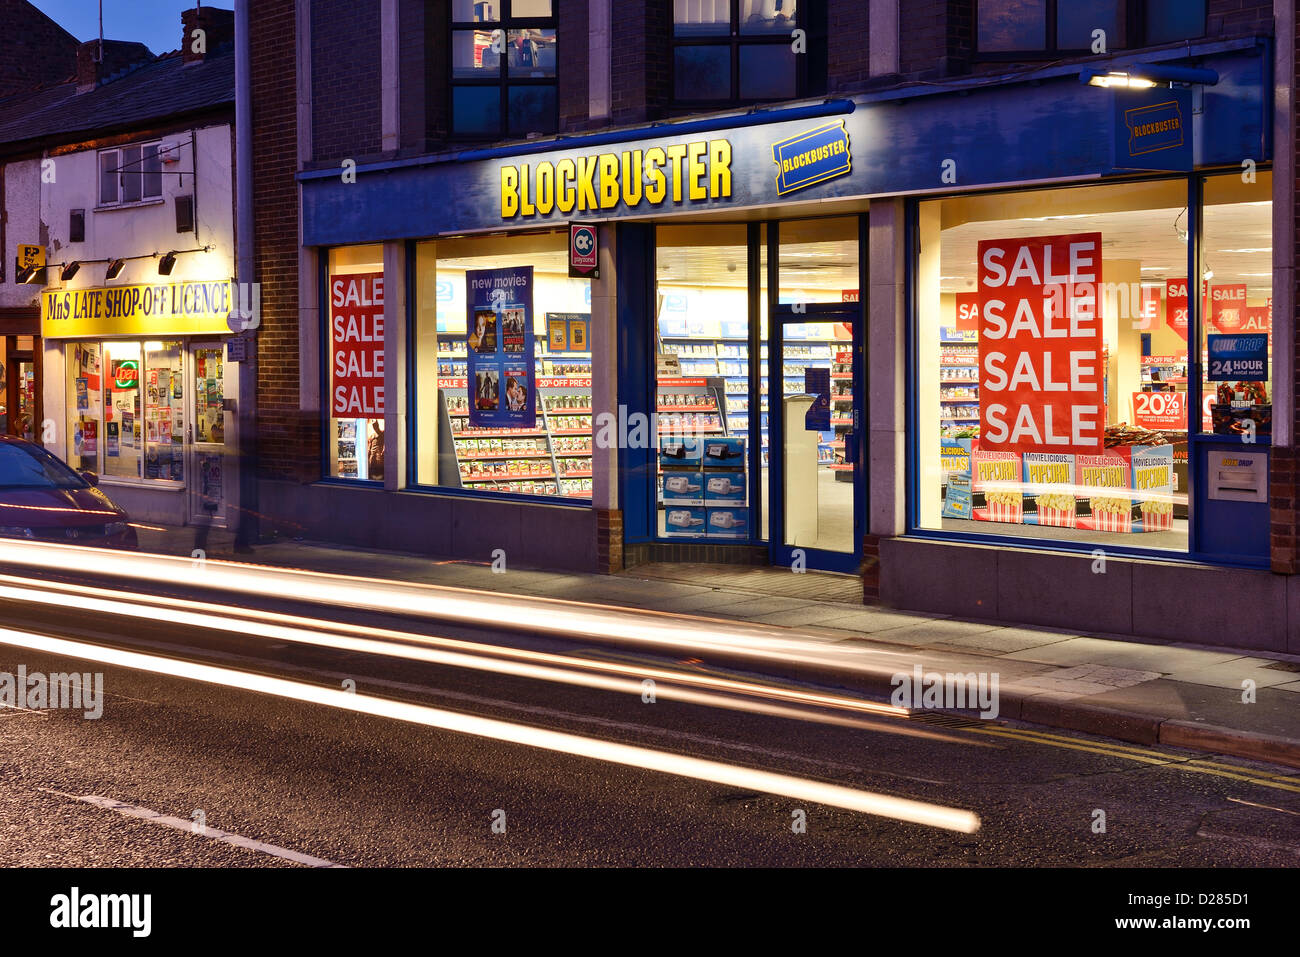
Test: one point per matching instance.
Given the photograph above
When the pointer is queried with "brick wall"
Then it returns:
(639, 80)
(345, 65)
(572, 38)
(1234, 17)
(848, 45)
(34, 50)
(413, 54)
(937, 38)
(1284, 470)
(288, 440)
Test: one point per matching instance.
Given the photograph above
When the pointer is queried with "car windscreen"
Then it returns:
(30, 466)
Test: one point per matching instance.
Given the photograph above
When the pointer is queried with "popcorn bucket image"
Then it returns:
(1005, 512)
(1157, 516)
(1060, 517)
(1109, 516)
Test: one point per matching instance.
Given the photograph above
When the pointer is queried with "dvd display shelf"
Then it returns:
(552, 458)
(453, 358)
(959, 413)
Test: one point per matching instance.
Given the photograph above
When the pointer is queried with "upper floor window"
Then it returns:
(130, 174)
(1047, 28)
(735, 51)
(503, 68)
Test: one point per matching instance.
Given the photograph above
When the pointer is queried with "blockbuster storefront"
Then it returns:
(1003, 349)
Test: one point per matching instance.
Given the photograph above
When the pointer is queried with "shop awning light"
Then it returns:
(167, 264)
(30, 274)
(114, 269)
(1143, 76)
(70, 270)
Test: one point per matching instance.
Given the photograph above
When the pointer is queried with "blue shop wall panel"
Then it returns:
(995, 134)
(542, 536)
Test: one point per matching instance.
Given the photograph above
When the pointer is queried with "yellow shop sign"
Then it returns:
(688, 172)
(176, 309)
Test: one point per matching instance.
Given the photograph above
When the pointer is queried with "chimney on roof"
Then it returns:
(118, 55)
(206, 30)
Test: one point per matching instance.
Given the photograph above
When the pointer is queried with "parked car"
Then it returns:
(43, 499)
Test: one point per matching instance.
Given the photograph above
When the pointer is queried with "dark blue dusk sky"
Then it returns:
(155, 23)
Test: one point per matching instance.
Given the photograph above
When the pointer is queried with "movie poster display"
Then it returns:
(501, 367)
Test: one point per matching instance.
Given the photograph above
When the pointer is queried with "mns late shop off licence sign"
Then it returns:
(698, 171)
(178, 308)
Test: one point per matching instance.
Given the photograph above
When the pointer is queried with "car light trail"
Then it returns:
(701, 769)
(437, 602)
(606, 676)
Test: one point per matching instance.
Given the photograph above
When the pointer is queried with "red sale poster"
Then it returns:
(1040, 347)
(1258, 319)
(968, 310)
(357, 345)
(1227, 308)
(1176, 306)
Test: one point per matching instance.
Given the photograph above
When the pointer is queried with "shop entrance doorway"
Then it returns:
(207, 435)
(815, 496)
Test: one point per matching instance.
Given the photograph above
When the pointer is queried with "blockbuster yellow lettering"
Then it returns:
(509, 192)
(719, 169)
(564, 198)
(608, 180)
(698, 171)
(545, 197)
(587, 183)
(658, 185)
(675, 156)
(526, 208)
(632, 178)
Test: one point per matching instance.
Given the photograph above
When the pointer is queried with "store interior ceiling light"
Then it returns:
(114, 269)
(70, 270)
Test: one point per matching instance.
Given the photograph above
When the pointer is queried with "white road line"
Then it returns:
(212, 833)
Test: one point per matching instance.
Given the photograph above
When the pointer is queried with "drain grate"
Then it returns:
(941, 720)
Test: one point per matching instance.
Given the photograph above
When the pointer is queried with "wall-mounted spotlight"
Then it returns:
(166, 264)
(114, 269)
(69, 270)
(30, 274)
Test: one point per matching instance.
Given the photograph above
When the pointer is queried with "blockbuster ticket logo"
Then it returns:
(1155, 127)
(812, 157)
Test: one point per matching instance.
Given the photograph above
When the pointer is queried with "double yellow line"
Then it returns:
(1280, 782)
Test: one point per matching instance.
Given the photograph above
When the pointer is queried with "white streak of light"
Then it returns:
(500, 660)
(477, 608)
(729, 775)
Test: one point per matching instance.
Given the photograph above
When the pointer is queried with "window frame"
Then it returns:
(502, 81)
(736, 41)
(1197, 439)
(1135, 31)
(121, 173)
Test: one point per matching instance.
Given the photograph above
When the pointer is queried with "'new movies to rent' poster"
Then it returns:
(1040, 344)
(501, 366)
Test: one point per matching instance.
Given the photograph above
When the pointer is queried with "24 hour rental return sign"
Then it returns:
(1040, 345)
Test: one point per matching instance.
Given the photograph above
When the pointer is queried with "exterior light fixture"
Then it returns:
(1143, 76)
(114, 269)
(69, 270)
(166, 264)
(30, 274)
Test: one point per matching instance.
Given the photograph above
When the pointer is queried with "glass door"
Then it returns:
(207, 435)
(817, 447)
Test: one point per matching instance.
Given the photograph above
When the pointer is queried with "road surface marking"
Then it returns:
(1263, 779)
(180, 824)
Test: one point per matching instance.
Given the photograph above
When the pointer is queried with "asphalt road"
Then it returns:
(291, 780)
